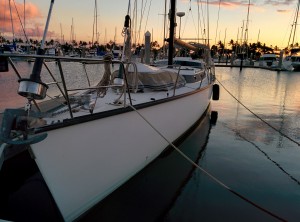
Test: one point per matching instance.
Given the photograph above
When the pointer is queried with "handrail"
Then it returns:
(65, 87)
(19, 77)
(176, 80)
(64, 90)
(136, 81)
(58, 86)
(61, 58)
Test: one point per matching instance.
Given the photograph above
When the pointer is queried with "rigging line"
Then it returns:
(20, 21)
(194, 23)
(296, 21)
(199, 29)
(247, 24)
(204, 171)
(12, 23)
(140, 24)
(24, 13)
(264, 153)
(217, 22)
(94, 23)
(134, 23)
(4, 17)
(186, 20)
(143, 8)
(264, 121)
(147, 19)
(203, 18)
(291, 31)
(199, 21)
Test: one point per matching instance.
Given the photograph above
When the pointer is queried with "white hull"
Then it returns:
(84, 163)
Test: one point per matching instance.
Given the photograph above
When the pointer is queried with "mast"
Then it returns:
(95, 35)
(96, 8)
(296, 21)
(247, 24)
(207, 7)
(12, 23)
(171, 36)
(24, 14)
(61, 35)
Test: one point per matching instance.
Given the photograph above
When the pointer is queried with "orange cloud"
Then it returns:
(16, 12)
(283, 11)
(227, 4)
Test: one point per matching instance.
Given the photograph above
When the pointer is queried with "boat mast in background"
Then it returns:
(207, 8)
(294, 26)
(12, 23)
(246, 30)
(95, 23)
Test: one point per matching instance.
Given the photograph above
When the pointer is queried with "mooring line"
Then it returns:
(206, 172)
(257, 116)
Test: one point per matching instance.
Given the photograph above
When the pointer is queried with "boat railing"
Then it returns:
(67, 92)
(177, 77)
(179, 68)
(135, 82)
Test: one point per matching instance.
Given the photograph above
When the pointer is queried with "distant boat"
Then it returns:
(293, 59)
(268, 60)
(295, 62)
(93, 139)
(50, 52)
(242, 55)
(241, 60)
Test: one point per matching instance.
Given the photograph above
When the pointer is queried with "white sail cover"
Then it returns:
(153, 78)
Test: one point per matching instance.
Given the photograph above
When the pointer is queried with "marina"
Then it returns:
(240, 150)
(189, 130)
(139, 103)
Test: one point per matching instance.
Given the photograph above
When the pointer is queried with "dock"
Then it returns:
(223, 64)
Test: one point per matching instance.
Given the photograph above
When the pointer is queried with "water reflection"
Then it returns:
(272, 96)
(243, 137)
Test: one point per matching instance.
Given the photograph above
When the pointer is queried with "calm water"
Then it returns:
(241, 151)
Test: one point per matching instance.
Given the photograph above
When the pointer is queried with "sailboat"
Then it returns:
(293, 60)
(242, 57)
(72, 151)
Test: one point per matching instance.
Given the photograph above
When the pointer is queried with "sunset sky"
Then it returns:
(269, 20)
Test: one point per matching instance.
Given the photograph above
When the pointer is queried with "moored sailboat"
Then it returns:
(91, 140)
